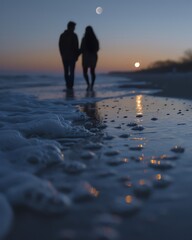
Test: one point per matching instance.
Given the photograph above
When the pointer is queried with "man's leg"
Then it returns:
(72, 74)
(66, 73)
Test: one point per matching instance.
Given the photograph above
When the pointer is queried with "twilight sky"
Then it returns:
(128, 31)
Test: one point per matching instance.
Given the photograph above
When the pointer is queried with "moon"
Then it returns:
(99, 10)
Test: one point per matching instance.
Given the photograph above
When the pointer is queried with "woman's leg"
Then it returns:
(93, 76)
(85, 74)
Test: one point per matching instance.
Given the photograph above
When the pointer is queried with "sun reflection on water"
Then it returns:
(139, 104)
(128, 199)
(158, 177)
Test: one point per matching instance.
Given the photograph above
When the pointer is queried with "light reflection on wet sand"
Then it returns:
(136, 178)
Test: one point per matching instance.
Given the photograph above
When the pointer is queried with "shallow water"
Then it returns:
(111, 164)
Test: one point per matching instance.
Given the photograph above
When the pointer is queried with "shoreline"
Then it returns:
(113, 170)
(177, 85)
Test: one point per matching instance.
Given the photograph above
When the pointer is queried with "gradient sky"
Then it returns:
(128, 31)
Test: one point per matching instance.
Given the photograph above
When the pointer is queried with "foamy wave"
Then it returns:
(23, 189)
(30, 131)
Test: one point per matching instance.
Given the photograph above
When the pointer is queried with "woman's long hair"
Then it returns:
(91, 42)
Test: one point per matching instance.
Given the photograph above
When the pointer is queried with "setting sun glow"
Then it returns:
(137, 64)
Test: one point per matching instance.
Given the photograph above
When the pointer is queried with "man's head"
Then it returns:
(71, 26)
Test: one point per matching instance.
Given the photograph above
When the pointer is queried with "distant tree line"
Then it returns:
(182, 65)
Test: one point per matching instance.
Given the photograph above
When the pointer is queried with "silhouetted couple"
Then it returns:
(69, 50)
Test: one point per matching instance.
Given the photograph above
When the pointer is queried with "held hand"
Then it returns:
(78, 54)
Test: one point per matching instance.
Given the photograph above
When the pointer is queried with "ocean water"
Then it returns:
(111, 163)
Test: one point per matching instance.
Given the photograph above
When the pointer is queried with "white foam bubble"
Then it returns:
(11, 139)
(23, 189)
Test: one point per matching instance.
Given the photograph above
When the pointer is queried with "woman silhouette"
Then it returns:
(89, 49)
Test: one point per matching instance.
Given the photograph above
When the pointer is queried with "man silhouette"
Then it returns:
(69, 50)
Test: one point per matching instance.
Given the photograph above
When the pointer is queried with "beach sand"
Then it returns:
(110, 164)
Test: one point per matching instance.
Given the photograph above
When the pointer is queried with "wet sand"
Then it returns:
(130, 180)
(177, 85)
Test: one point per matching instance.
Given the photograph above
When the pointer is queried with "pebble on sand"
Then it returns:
(126, 206)
(178, 149)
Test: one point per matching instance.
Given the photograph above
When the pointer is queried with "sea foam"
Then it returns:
(30, 130)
